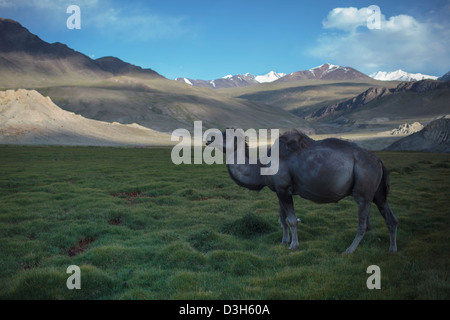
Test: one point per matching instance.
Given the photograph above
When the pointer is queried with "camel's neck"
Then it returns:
(247, 175)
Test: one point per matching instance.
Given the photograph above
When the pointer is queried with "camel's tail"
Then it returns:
(383, 188)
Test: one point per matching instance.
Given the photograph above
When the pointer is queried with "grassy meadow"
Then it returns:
(140, 227)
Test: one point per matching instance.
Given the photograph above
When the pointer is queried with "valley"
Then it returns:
(324, 101)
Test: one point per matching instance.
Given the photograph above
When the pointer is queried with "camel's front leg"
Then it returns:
(288, 218)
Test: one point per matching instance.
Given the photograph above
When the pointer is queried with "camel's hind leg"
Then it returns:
(363, 219)
(391, 222)
(380, 199)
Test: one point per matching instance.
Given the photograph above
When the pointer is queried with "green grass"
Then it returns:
(143, 228)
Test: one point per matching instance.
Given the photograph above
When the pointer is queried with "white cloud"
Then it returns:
(346, 18)
(349, 19)
(401, 42)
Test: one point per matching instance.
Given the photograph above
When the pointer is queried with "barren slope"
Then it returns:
(26, 117)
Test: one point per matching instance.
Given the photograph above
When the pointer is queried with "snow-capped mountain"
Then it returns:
(326, 71)
(237, 80)
(228, 81)
(400, 75)
(269, 77)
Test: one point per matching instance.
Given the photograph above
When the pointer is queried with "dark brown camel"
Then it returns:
(321, 171)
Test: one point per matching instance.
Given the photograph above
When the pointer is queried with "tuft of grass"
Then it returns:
(248, 226)
(205, 240)
(50, 283)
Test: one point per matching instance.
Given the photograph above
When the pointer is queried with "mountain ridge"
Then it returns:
(23, 53)
(428, 96)
(373, 94)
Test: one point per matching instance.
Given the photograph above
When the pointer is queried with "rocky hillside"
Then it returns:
(376, 93)
(434, 137)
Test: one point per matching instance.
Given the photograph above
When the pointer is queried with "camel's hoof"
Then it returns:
(348, 251)
(392, 250)
(293, 247)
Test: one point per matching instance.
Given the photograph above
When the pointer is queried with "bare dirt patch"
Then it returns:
(83, 245)
(131, 196)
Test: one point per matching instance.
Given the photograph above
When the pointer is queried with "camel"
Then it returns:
(323, 171)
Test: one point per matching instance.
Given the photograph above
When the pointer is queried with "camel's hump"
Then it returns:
(295, 139)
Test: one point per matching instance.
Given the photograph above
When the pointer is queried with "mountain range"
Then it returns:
(326, 71)
(231, 81)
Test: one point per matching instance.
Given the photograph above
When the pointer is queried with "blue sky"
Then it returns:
(210, 39)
